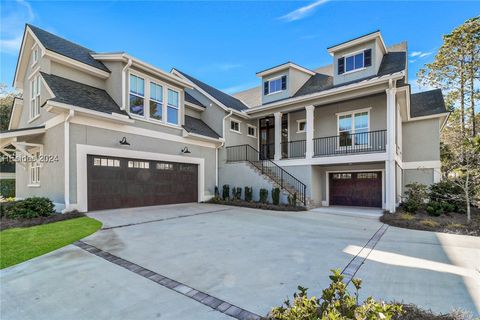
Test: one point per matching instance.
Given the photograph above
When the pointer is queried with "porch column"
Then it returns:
(310, 110)
(278, 135)
(390, 193)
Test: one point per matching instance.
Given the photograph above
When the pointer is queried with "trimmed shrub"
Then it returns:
(437, 208)
(292, 200)
(31, 208)
(335, 303)
(237, 193)
(226, 192)
(447, 191)
(416, 196)
(276, 196)
(217, 192)
(248, 194)
(263, 195)
(7, 188)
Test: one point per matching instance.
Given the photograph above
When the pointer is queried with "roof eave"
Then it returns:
(284, 66)
(353, 42)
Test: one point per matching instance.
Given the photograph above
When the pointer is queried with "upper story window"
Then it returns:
(301, 125)
(353, 128)
(34, 169)
(251, 131)
(34, 55)
(172, 108)
(275, 85)
(356, 61)
(35, 97)
(137, 95)
(235, 126)
(156, 101)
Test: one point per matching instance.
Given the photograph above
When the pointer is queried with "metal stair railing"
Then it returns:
(285, 180)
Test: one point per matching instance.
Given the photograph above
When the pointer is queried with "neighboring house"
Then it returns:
(113, 131)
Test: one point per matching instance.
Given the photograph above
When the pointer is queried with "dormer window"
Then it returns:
(34, 56)
(275, 85)
(355, 61)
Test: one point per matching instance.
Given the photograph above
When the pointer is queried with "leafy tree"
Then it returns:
(456, 70)
(6, 102)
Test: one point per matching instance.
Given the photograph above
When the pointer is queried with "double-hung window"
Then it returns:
(353, 129)
(156, 101)
(235, 126)
(137, 95)
(34, 56)
(35, 97)
(275, 85)
(172, 107)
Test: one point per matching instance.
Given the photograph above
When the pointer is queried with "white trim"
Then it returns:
(84, 150)
(433, 116)
(327, 180)
(34, 118)
(21, 133)
(422, 164)
(125, 57)
(255, 131)
(352, 133)
(239, 126)
(99, 123)
(362, 39)
(117, 117)
(298, 126)
(193, 106)
(325, 93)
(282, 67)
(357, 158)
(76, 64)
(268, 80)
(33, 73)
(7, 175)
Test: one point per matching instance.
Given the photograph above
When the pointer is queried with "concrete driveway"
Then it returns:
(202, 261)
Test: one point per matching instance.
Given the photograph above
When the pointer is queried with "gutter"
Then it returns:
(124, 91)
(221, 145)
(66, 160)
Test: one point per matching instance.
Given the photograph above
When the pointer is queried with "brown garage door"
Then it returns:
(122, 183)
(356, 189)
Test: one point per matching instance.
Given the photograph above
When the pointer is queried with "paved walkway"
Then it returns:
(200, 261)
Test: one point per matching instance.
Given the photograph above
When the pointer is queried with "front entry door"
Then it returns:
(267, 137)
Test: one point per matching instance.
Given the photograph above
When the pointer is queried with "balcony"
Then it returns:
(345, 144)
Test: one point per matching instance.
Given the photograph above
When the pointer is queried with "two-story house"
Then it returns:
(107, 130)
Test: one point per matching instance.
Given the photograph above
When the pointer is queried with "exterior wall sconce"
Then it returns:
(124, 142)
(185, 150)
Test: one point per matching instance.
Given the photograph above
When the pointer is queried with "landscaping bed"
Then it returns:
(21, 244)
(451, 222)
(413, 312)
(7, 223)
(258, 205)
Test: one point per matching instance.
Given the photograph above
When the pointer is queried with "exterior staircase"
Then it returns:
(266, 167)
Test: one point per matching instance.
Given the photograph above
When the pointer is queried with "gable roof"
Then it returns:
(81, 95)
(427, 103)
(224, 98)
(392, 62)
(197, 126)
(191, 99)
(66, 48)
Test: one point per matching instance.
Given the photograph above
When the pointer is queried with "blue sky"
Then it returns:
(225, 43)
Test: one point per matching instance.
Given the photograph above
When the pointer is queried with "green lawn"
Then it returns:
(21, 244)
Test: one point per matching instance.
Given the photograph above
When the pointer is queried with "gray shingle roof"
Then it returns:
(427, 103)
(191, 99)
(197, 126)
(392, 62)
(81, 95)
(224, 98)
(66, 48)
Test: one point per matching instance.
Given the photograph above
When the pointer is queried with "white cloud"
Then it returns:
(302, 12)
(13, 17)
(420, 54)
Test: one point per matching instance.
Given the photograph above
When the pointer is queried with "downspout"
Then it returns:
(129, 63)
(221, 145)
(66, 160)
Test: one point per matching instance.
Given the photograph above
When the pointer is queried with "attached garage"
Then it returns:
(115, 182)
(356, 189)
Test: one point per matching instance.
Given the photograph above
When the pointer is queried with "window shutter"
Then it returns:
(367, 56)
(265, 88)
(341, 65)
(284, 82)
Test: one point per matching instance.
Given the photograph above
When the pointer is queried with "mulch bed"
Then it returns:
(455, 223)
(258, 205)
(6, 223)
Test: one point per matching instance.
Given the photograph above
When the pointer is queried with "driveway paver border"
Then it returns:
(197, 295)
